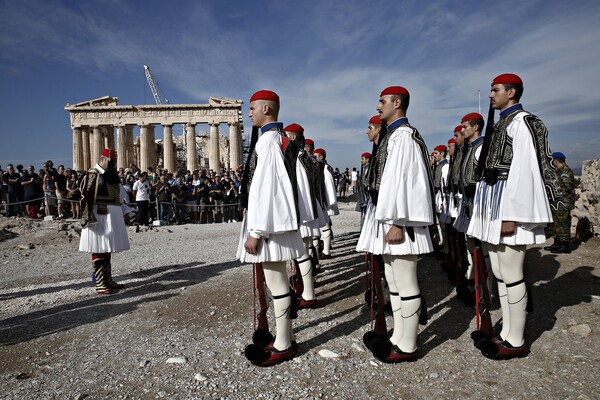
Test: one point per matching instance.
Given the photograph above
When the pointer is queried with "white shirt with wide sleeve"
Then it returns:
(332, 206)
(521, 197)
(404, 199)
(271, 213)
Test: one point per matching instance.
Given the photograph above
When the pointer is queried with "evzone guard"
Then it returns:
(472, 126)
(331, 198)
(270, 238)
(104, 231)
(511, 207)
(374, 295)
(454, 242)
(397, 224)
(321, 197)
(309, 219)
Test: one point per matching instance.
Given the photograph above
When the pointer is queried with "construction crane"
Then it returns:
(159, 97)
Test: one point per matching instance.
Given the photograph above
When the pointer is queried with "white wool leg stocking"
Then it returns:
(277, 281)
(305, 264)
(404, 275)
(395, 303)
(511, 259)
(471, 245)
(314, 250)
(326, 236)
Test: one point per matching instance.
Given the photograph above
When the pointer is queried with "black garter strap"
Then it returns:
(282, 296)
(304, 260)
(416, 296)
(514, 283)
(394, 294)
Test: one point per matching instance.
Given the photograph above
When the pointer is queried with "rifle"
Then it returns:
(261, 336)
(380, 328)
(462, 291)
(482, 310)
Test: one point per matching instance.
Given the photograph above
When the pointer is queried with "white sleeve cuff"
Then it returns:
(255, 235)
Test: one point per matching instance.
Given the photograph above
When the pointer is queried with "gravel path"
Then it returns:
(180, 328)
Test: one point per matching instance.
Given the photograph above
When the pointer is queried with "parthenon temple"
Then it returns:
(93, 123)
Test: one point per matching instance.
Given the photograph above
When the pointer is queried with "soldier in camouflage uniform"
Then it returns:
(561, 228)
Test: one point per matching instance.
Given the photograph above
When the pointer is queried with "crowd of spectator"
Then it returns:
(345, 182)
(201, 196)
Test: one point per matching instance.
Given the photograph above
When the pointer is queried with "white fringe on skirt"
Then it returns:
(277, 247)
(108, 235)
(486, 222)
(372, 238)
(310, 229)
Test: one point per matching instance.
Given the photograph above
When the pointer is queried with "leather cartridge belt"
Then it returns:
(492, 176)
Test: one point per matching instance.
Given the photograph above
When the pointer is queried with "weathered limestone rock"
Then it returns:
(586, 215)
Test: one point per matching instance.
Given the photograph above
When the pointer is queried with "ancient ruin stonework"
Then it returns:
(93, 123)
(586, 215)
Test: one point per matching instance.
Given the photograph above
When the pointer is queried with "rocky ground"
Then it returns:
(180, 328)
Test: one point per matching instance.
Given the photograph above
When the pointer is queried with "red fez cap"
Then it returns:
(294, 128)
(366, 155)
(441, 147)
(320, 151)
(458, 128)
(394, 90)
(108, 153)
(264, 95)
(309, 142)
(451, 140)
(509, 79)
(471, 116)
(375, 120)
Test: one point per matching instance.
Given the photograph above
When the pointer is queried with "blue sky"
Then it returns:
(328, 61)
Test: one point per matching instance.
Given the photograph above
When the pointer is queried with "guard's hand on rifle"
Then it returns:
(395, 235)
(251, 245)
(508, 228)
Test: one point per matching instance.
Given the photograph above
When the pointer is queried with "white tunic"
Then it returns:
(108, 234)
(404, 199)
(332, 206)
(520, 198)
(441, 203)
(309, 225)
(271, 211)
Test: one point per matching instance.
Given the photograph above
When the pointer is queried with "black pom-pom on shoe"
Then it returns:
(262, 337)
(256, 354)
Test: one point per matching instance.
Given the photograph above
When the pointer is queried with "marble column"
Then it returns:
(121, 148)
(152, 159)
(129, 153)
(190, 151)
(214, 160)
(144, 151)
(97, 145)
(109, 137)
(136, 152)
(77, 150)
(168, 153)
(85, 147)
(235, 146)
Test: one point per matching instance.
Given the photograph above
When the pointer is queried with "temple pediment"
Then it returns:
(100, 101)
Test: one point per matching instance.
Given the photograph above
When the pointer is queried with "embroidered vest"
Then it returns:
(437, 179)
(455, 165)
(468, 168)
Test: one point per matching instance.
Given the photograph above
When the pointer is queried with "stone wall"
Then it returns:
(586, 215)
